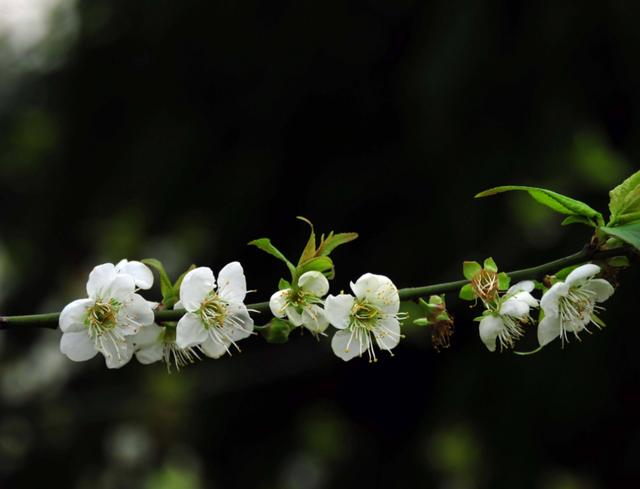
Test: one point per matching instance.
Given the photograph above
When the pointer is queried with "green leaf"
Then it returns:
(165, 284)
(470, 269)
(178, 283)
(577, 220)
(310, 248)
(490, 265)
(318, 264)
(284, 284)
(619, 262)
(278, 331)
(625, 201)
(332, 241)
(629, 233)
(564, 273)
(265, 245)
(558, 202)
(503, 281)
(467, 293)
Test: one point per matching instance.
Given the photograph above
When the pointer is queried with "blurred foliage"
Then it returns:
(182, 130)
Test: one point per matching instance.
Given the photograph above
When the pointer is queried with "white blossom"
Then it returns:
(571, 305)
(372, 312)
(109, 317)
(304, 306)
(158, 343)
(216, 317)
(505, 324)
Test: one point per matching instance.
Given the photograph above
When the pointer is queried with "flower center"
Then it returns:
(102, 317)
(485, 284)
(213, 311)
(364, 315)
(577, 306)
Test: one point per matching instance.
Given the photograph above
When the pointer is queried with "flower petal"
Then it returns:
(337, 308)
(314, 319)
(527, 298)
(190, 331)
(314, 283)
(548, 330)
(74, 314)
(550, 299)
(147, 336)
(347, 346)
(135, 314)
(142, 274)
(600, 287)
(151, 353)
(583, 272)
(239, 324)
(117, 355)
(514, 308)
(99, 279)
(278, 303)
(78, 346)
(490, 328)
(213, 348)
(379, 291)
(232, 284)
(387, 333)
(195, 287)
(121, 288)
(524, 286)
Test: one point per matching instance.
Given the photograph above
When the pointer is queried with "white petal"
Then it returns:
(527, 298)
(490, 328)
(73, 315)
(315, 283)
(548, 329)
(121, 288)
(215, 349)
(239, 324)
(190, 331)
(387, 333)
(142, 274)
(117, 355)
(337, 308)
(379, 291)
(277, 303)
(294, 316)
(551, 297)
(151, 353)
(77, 346)
(135, 314)
(347, 347)
(232, 284)
(99, 279)
(515, 308)
(195, 288)
(524, 286)
(582, 273)
(314, 319)
(601, 288)
(147, 336)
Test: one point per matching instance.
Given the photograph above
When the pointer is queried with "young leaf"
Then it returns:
(332, 241)
(558, 202)
(284, 284)
(310, 248)
(577, 220)
(318, 264)
(503, 281)
(625, 201)
(629, 233)
(165, 284)
(265, 245)
(467, 293)
(178, 283)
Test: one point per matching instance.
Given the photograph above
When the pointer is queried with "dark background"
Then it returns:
(183, 129)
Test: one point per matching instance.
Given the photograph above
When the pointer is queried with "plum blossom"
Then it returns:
(571, 305)
(303, 307)
(158, 343)
(109, 317)
(373, 312)
(216, 316)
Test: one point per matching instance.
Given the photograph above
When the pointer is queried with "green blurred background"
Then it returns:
(182, 130)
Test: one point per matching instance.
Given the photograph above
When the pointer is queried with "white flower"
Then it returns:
(303, 308)
(373, 311)
(569, 306)
(142, 274)
(106, 320)
(158, 343)
(505, 324)
(215, 319)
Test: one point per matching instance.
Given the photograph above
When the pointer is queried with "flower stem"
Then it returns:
(588, 253)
